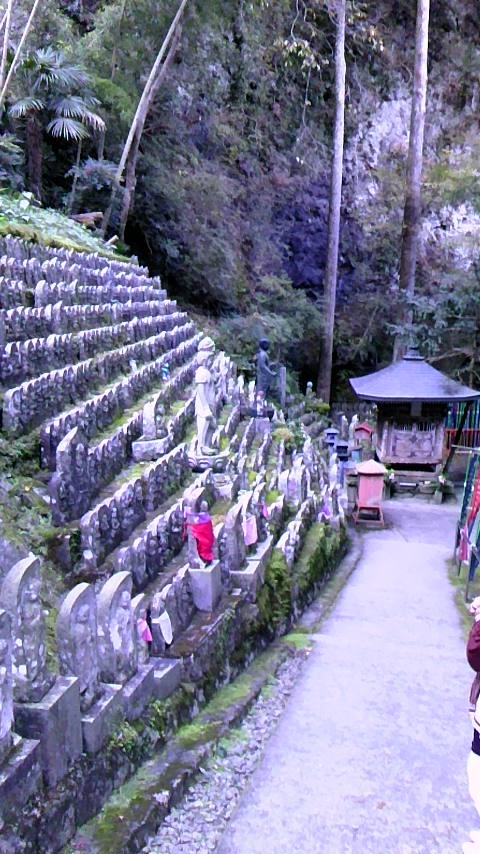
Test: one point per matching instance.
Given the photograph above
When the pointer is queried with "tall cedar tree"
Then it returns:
(324, 380)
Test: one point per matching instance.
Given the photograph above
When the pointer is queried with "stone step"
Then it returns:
(167, 676)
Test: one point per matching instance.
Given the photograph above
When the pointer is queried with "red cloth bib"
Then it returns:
(205, 538)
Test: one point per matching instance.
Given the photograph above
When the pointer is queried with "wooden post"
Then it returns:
(457, 436)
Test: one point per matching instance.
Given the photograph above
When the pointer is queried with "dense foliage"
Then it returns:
(232, 181)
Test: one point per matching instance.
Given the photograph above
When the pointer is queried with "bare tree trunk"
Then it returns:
(101, 145)
(71, 200)
(6, 39)
(28, 27)
(413, 190)
(324, 380)
(34, 138)
(131, 164)
(113, 69)
(143, 108)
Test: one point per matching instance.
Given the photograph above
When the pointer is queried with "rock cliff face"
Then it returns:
(234, 172)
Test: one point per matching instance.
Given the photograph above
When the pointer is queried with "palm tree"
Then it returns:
(55, 100)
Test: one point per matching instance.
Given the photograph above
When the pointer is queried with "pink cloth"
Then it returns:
(464, 547)
(144, 631)
(250, 532)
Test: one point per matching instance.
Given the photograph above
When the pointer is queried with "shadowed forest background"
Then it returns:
(232, 179)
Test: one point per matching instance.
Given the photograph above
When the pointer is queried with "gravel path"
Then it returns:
(195, 827)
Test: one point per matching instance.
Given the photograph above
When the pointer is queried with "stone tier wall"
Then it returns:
(29, 404)
(96, 414)
(20, 324)
(27, 359)
(73, 293)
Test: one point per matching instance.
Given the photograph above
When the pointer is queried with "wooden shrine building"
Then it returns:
(412, 401)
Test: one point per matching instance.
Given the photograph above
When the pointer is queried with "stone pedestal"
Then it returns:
(20, 775)
(144, 449)
(206, 586)
(168, 674)
(100, 721)
(262, 425)
(203, 462)
(251, 576)
(226, 486)
(138, 691)
(54, 721)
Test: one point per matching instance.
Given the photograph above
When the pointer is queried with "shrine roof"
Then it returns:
(411, 378)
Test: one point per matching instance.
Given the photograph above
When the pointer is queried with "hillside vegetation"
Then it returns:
(231, 199)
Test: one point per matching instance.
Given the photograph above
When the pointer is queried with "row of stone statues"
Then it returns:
(21, 360)
(103, 672)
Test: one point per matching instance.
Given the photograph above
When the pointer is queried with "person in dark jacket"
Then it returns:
(473, 762)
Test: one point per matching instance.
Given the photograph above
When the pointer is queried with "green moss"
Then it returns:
(22, 217)
(319, 556)
(297, 639)
(193, 735)
(275, 598)
(129, 741)
(230, 695)
(459, 583)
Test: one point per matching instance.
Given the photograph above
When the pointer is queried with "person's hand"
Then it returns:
(474, 607)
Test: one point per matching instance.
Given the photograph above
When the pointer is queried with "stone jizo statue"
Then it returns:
(201, 538)
(117, 632)
(265, 374)
(20, 596)
(77, 642)
(205, 397)
(6, 685)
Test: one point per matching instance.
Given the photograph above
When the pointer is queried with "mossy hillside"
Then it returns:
(21, 216)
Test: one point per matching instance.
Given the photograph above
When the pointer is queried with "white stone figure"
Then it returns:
(351, 428)
(20, 596)
(205, 396)
(333, 470)
(6, 685)
(117, 632)
(77, 642)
